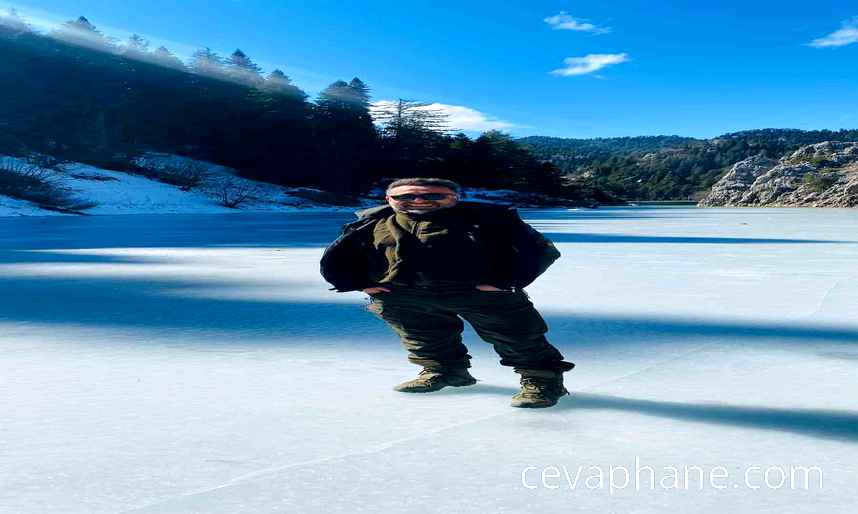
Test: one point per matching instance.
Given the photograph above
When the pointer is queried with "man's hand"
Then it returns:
(373, 290)
(487, 287)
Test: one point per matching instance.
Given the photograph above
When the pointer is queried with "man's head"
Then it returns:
(419, 195)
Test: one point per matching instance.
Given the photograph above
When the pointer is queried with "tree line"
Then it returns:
(80, 95)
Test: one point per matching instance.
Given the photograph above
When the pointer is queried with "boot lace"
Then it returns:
(539, 387)
(430, 375)
(535, 386)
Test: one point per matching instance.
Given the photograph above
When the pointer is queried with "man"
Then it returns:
(426, 259)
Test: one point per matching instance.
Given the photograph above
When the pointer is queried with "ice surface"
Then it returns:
(198, 363)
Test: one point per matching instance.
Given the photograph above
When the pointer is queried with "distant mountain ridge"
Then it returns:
(586, 149)
(669, 167)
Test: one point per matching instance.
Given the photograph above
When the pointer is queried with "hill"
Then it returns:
(669, 167)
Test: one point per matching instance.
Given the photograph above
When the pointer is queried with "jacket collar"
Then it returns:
(375, 212)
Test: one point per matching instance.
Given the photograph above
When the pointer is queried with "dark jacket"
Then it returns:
(519, 253)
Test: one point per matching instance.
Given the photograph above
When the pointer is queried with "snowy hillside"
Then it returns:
(115, 192)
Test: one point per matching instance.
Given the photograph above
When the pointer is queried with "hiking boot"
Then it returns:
(539, 388)
(434, 379)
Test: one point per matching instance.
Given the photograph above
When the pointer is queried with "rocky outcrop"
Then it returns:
(819, 175)
(732, 186)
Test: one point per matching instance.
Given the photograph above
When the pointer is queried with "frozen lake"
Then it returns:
(198, 363)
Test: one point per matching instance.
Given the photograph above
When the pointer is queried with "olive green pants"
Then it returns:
(429, 324)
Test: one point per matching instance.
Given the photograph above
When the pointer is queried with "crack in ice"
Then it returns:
(380, 447)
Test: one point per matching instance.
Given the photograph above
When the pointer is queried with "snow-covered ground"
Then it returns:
(115, 192)
(199, 364)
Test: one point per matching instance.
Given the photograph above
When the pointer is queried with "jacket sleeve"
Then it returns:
(536, 253)
(341, 264)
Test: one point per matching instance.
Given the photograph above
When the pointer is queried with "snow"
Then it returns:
(116, 192)
(198, 363)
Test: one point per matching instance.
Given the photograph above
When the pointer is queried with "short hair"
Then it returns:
(425, 181)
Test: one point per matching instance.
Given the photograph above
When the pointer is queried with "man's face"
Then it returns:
(420, 204)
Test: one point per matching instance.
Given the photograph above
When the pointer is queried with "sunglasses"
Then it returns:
(426, 196)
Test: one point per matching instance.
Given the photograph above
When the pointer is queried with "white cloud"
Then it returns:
(564, 21)
(589, 64)
(460, 117)
(465, 118)
(846, 35)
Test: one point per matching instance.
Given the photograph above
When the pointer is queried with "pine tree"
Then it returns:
(337, 97)
(361, 93)
(81, 24)
(206, 62)
(346, 137)
(242, 69)
(136, 48)
(279, 78)
(137, 43)
(166, 58)
(278, 83)
(83, 33)
(240, 60)
(403, 118)
(413, 136)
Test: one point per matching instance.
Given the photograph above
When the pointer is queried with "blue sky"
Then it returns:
(632, 67)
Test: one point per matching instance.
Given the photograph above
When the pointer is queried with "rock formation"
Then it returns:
(819, 175)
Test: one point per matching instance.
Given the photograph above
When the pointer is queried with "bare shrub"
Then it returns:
(24, 181)
(25, 169)
(185, 174)
(21, 180)
(232, 193)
